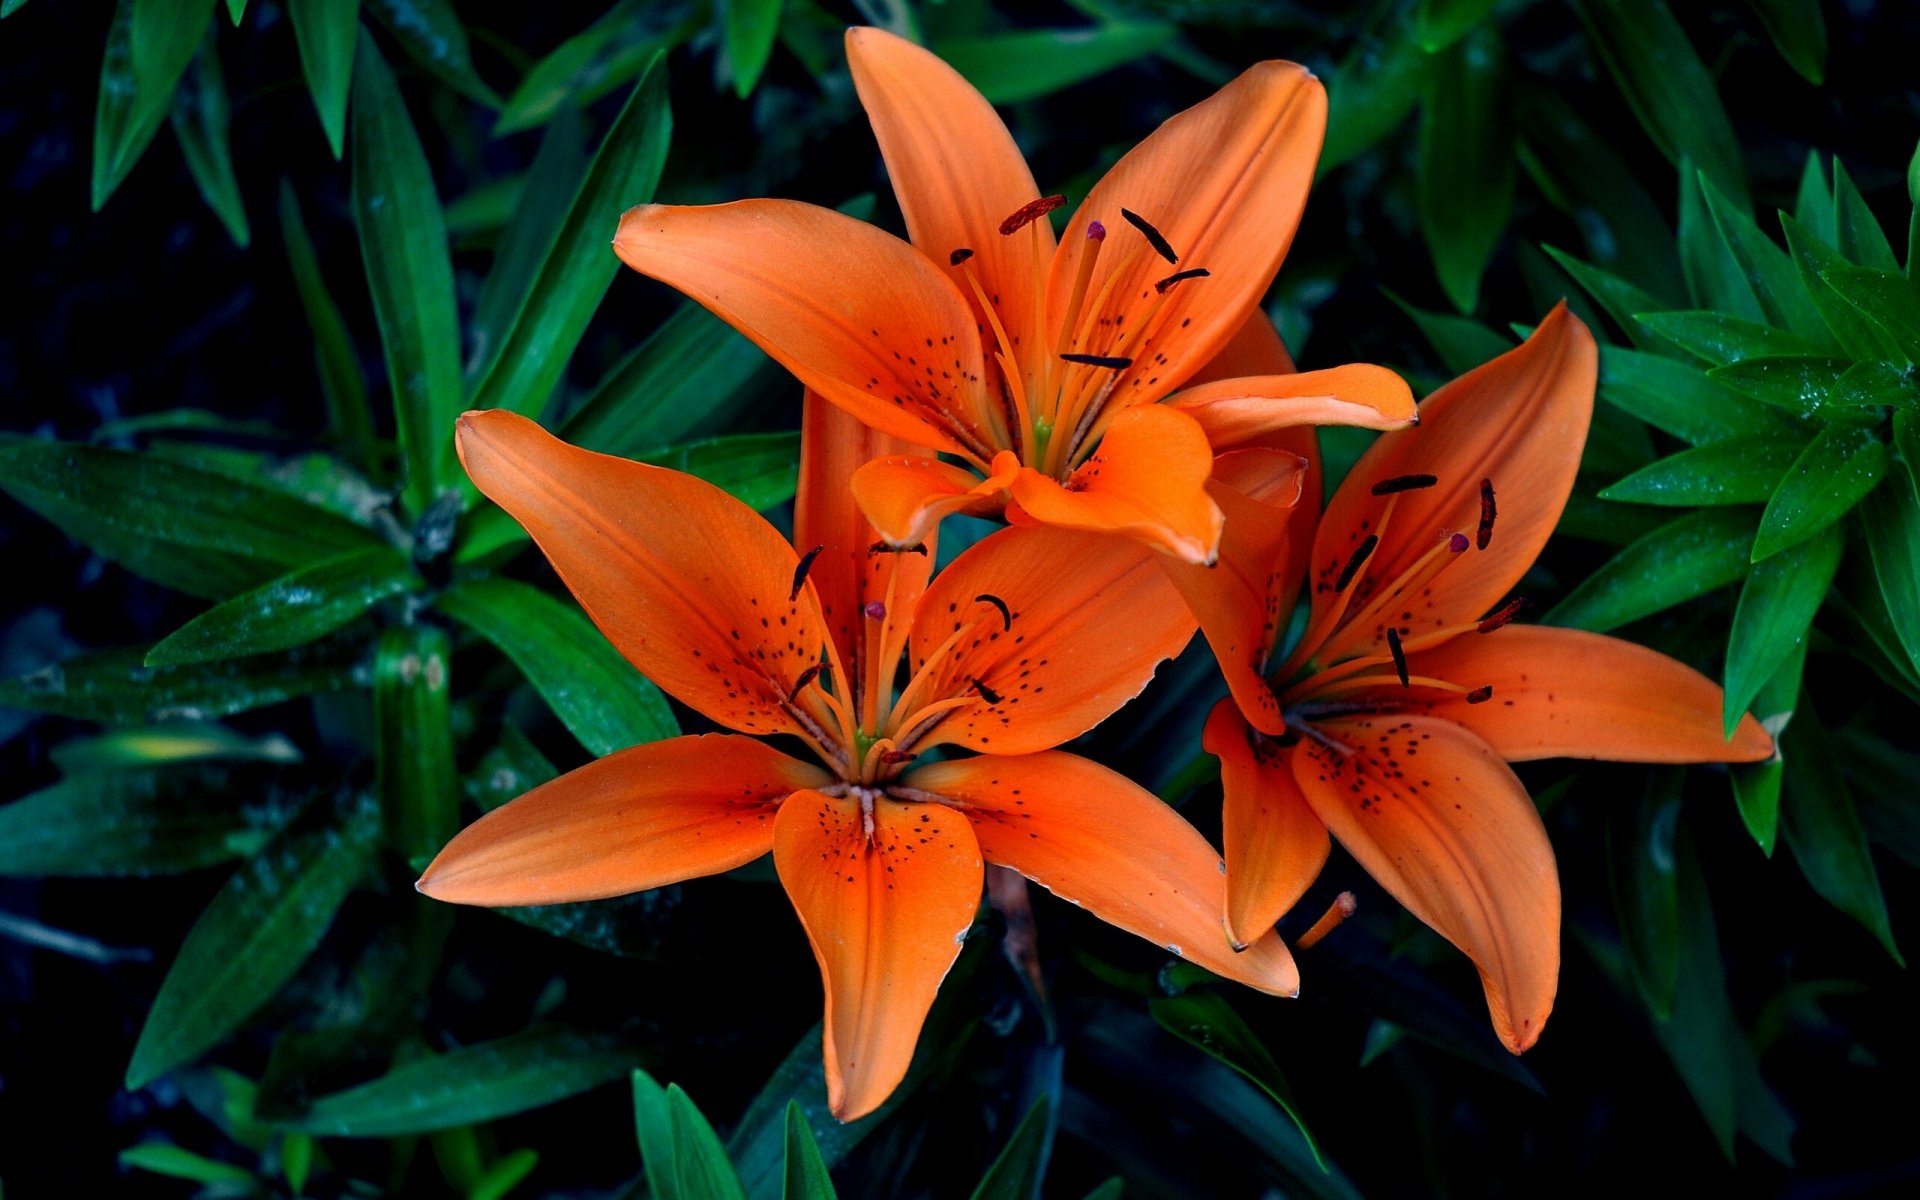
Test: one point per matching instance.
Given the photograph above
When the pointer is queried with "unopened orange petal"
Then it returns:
(1098, 839)
(1439, 820)
(907, 496)
(1275, 844)
(1147, 481)
(692, 586)
(639, 818)
(1237, 412)
(1565, 693)
(857, 314)
(1087, 619)
(886, 896)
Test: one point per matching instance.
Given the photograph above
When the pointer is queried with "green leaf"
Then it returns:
(348, 417)
(1838, 468)
(433, 36)
(1205, 1019)
(1581, 175)
(1834, 388)
(1685, 558)
(1018, 1168)
(1859, 337)
(403, 241)
(297, 608)
(1619, 298)
(116, 686)
(174, 742)
(1776, 608)
(200, 119)
(1372, 91)
(326, 32)
(1714, 278)
(578, 268)
(1862, 241)
(1030, 63)
(261, 926)
(1441, 23)
(1799, 33)
(149, 46)
(1667, 86)
(164, 1158)
(1740, 471)
(751, 28)
(604, 56)
(1756, 786)
(700, 1161)
(1646, 900)
(296, 1160)
(1769, 271)
(1813, 205)
(1465, 179)
(416, 782)
(1461, 342)
(653, 1128)
(805, 1177)
(1887, 299)
(596, 693)
(1721, 339)
(151, 821)
(481, 1082)
(1823, 829)
(538, 211)
(1891, 514)
(181, 526)
(1112, 1189)
(513, 766)
(236, 9)
(504, 1174)
(758, 469)
(1679, 398)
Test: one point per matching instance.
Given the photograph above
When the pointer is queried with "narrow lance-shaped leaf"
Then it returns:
(326, 32)
(1891, 514)
(1862, 241)
(1823, 830)
(1714, 278)
(1887, 300)
(1738, 471)
(550, 185)
(417, 786)
(1799, 33)
(1836, 470)
(149, 45)
(1204, 1019)
(1018, 1168)
(1688, 557)
(751, 26)
(1813, 203)
(653, 1128)
(608, 54)
(1645, 891)
(433, 36)
(1832, 389)
(1372, 91)
(151, 821)
(300, 607)
(1756, 786)
(1813, 255)
(200, 118)
(117, 687)
(1441, 23)
(1466, 163)
(348, 417)
(1680, 399)
(1777, 605)
(1721, 339)
(805, 1176)
(168, 743)
(1027, 64)
(1769, 272)
(699, 1160)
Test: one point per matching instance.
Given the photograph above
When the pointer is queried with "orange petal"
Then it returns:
(956, 173)
(1147, 481)
(886, 899)
(857, 314)
(907, 496)
(1564, 693)
(639, 818)
(1275, 844)
(1519, 422)
(692, 586)
(1224, 182)
(1433, 814)
(1254, 349)
(1237, 412)
(1088, 619)
(1099, 840)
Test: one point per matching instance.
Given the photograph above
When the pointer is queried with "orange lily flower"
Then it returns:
(1027, 640)
(1391, 722)
(1039, 366)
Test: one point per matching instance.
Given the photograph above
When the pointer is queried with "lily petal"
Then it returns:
(1236, 412)
(639, 818)
(1565, 693)
(1087, 618)
(1097, 839)
(857, 314)
(885, 907)
(1147, 481)
(1275, 845)
(1433, 814)
(907, 496)
(692, 586)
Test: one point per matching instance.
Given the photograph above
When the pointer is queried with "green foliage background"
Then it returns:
(267, 649)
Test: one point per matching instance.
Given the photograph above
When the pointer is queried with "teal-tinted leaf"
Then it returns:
(1714, 278)
(416, 782)
(606, 55)
(348, 417)
(1018, 1168)
(1862, 241)
(1619, 298)
(118, 688)
(1886, 299)
(805, 1177)
(200, 117)
(1832, 474)
(1646, 900)
(1373, 90)
(259, 928)
(433, 36)
(1756, 786)
(297, 608)
(1721, 339)
(1688, 557)
(1030, 63)
(1798, 32)
(539, 209)
(1776, 608)
(1881, 779)
(187, 528)
(1740, 471)
(1461, 342)
(578, 268)
(699, 1160)
(326, 32)
(175, 1162)
(150, 821)
(751, 28)
(1112, 1189)
(1465, 181)
(1680, 399)
(1441, 23)
(1623, 227)
(10, 7)
(1813, 204)
(1204, 1019)
(1769, 271)
(149, 46)
(653, 1128)
(1891, 515)
(1833, 388)
(481, 1082)
(1859, 337)
(403, 241)
(596, 693)
(1667, 86)
(1823, 829)
(173, 742)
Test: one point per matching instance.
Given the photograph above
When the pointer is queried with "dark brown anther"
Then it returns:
(1099, 360)
(959, 256)
(1030, 212)
(800, 572)
(1486, 514)
(1399, 656)
(1404, 483)
(1177, 276)
(1513, 609)
(1160, 245)
(806, 677)
(1360, 555)
(1480, 695)
(1006, 614)
(919, 548)
(986, 693)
